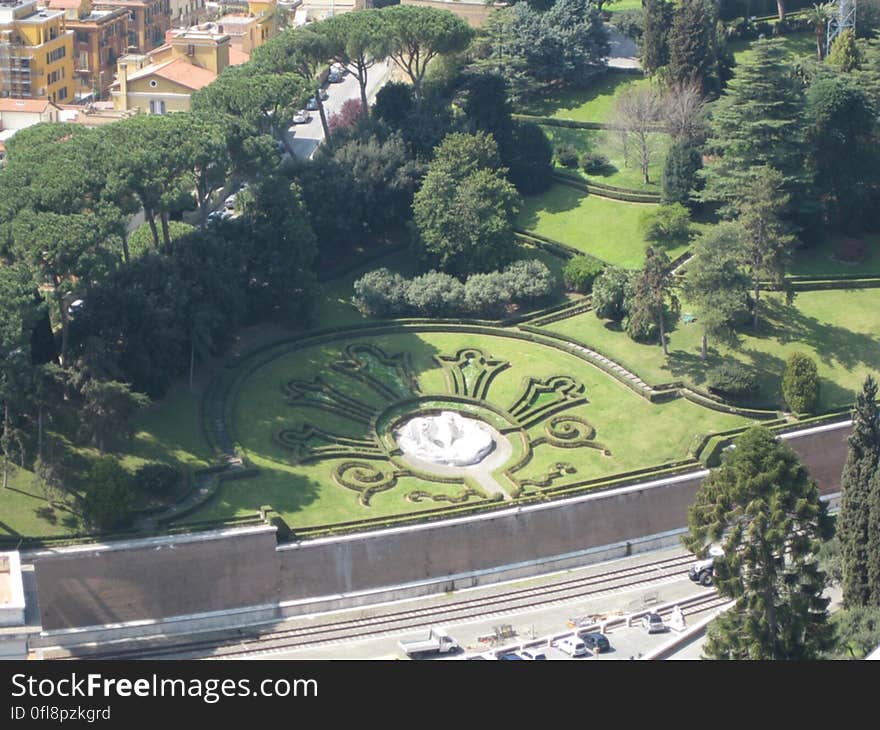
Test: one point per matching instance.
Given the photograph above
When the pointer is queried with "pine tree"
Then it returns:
(854, 526)
(757, 122)
(692, 56)
(764, 510)
(680, 172)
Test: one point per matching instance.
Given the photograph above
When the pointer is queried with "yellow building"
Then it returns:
(147, 21)
(163, 81)
(36, 52)
(99, 38)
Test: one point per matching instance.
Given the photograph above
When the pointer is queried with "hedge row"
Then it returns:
(603, 192)
(718, 405)
(557, 248)
(574, 124)
(570, 311)
(360, 262)
(605, 186)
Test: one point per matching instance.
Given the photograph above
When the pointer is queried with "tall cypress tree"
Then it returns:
(854, 527)
(873, 551)
(692, 55)
(654, 43)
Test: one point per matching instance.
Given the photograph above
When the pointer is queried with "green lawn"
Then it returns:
(622, 173)
(605, 228)
(839, 329)
(637, 433)
(821, 260)
(592, 104)
(618, 6)
(796, 44)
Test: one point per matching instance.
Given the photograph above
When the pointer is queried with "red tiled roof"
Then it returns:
(185, 74)
(237, 57)
(35, 106)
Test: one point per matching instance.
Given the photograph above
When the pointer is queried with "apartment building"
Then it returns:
(36, 52)
(147, 21)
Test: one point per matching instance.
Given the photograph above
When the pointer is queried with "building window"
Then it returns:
(153, 83)
(62, 94)
(157, 106)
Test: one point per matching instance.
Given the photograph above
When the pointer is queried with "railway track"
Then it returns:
(462, 610)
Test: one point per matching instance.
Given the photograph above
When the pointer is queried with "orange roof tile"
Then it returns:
(37, 106)
(64, 4)
(237, 57)
(185, 74)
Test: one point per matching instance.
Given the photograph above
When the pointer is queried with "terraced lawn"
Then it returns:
(592, 104)
(607, 229)
(621, 172)
(839, 329)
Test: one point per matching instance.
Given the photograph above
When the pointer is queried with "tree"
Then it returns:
(349, 114)
(529, 159)
(819, 15)
(417, 35)
(683, 161)
(668, 225)
(764, 510)
(654, 45)
(653, 292)
(110, 499)
(107, 410)
(856, 632)
(358, 41)
(841, 134)
(767, 241)
(715, 285)
(757, 122)
(800, 383)
(465, 208)
(611, 289)
(854, 526)
(576, 37)
(302, 51)
(684, 112)
(845, 53)
(692, 40)
(636, 114)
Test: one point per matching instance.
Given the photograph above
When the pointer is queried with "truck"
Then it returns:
(438, 641)
(703, 571)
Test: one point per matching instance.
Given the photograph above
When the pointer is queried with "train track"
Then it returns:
(462, 610)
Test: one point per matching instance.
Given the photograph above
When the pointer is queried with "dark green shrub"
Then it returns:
(157, 478)
(668, 225)
(529, 159)
(529, 280)
(594, 163)
(731, 378)
(567, 156)
(800, 383)
(640, 326)
(486, 294)
(381, 293)
(610, 291)
(110, 499)
(580, 273)
(435, 294)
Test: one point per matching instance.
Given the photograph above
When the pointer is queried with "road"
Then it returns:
(303, 139)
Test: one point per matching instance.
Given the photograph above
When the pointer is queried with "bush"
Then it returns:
(567, 156)
(594, 164)
(109, 501)
(486, 294)
(381, 293)
(668, 225)
(731, 378)
(610, 292)
(435, 294)
(640, 326)
(529, 159)
(800, 383)
(157, 478)
(580, 273)
(529, 280)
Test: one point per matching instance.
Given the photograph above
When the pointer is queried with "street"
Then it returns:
(303, 139)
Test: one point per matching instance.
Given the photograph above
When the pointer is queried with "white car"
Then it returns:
(572, 646)
(302, 117)
(532, 654)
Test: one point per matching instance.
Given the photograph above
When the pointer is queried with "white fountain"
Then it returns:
(447, 439)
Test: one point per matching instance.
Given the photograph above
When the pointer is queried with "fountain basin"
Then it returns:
(446, 439)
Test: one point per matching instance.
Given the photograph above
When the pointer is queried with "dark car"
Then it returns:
(596, 641)
(510, 657)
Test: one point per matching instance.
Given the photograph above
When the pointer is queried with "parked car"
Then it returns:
(653, 623)
(334, 77)
(532, 654)
(571, 645)
(302, 117)
(312, 104)
(596, 641)
(512, 657)
(324, 94)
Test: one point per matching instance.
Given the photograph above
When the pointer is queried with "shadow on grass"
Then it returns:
(558, 199)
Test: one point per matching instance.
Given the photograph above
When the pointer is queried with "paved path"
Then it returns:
(624, 51)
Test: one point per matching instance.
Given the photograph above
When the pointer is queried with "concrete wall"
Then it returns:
(179, 577)
(156, 578)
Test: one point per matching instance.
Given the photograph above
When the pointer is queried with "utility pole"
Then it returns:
(844, 20)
